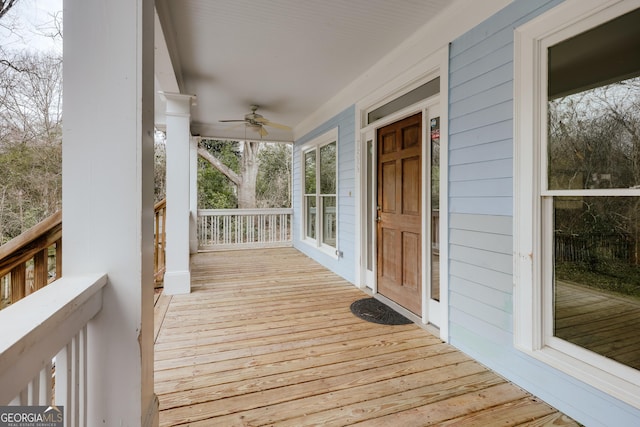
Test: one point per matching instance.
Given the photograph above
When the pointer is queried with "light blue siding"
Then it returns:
(481, 224)
(345, 266)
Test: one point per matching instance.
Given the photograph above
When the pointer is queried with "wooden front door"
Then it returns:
(398, 230)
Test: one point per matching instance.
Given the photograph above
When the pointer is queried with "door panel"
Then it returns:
(410, 258)
(389, 187)
(411, 186)
(399, 212)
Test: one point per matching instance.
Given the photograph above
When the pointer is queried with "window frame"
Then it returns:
(315, 145)
(533, 301)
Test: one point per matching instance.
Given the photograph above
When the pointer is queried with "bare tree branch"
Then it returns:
(14, 67)
(5, 5)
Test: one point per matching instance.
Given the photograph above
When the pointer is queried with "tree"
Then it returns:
(215, 190)
(273, 186)
(5, 5)
(160, 165)
(30, 141)
(246, 175)
(231, 171)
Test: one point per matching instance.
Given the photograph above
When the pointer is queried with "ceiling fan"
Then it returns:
(257, 122)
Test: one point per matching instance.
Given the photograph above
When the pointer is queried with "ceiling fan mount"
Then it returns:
(257, 122)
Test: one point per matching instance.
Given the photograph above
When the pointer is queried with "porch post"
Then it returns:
(193, 194)
(108, 197)
(177, 278)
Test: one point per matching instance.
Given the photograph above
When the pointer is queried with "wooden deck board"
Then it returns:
(267, 338)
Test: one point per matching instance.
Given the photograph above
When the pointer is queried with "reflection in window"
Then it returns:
(329, 220)
(594, 138)
(597, 274)
(311, 216)
(593, 157)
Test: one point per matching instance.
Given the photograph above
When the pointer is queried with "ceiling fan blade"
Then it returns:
(276, 125)
(262, 131)
(227, 121)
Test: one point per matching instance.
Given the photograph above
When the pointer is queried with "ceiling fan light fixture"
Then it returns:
(257, 122)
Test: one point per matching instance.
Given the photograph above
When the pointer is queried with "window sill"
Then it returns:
(330, 251)
(624, 385)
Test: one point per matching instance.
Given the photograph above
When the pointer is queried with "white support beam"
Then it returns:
(108, 197)
(193, 194)
(177, 278)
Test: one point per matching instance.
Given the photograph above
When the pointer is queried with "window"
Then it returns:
(320, 192)
(578, 153)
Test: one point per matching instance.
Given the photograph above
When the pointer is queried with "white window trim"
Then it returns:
(315, 144)
(531, 302)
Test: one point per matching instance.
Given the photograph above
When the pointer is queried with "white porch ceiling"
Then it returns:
(287, 56)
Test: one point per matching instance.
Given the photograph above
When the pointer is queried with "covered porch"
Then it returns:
(272, 341)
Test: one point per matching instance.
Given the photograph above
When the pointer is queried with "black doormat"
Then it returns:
(372, 310)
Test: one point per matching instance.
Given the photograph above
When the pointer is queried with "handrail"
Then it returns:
(32, 247)
(223, 229)
(41, 326)
(160, 215)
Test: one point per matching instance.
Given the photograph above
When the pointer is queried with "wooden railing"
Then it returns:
(34, 259)
(31, 261)
(160, 222)
(222, 229)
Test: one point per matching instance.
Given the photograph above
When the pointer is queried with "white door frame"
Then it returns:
(437, 65)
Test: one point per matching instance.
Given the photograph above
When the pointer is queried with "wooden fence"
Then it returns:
(587, 247)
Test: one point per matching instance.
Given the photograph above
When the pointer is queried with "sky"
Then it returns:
(31, 20)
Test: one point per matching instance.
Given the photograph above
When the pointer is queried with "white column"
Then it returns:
(193, 194)
(108, 197)
(177, 278)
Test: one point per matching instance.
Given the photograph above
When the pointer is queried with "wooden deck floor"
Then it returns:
(267, 338)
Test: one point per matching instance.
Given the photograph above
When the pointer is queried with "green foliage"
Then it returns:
(215, 191)
(273, 184)
(273, 187)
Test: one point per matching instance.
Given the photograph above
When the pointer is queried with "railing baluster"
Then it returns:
(243, 228)
(58, 258)
(18, 282)
(46, 373)
(33, 391)
(81, 377)
(63, 381)
(24, 396)
(40, 269)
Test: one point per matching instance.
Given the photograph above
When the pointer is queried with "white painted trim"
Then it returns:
(177, 282)
(316, 143)
(532, 300)
(41, 325)
(444, 194)
(359, 274)
(232, 212)
(425, 221)
(367, 277)
(407, 57)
